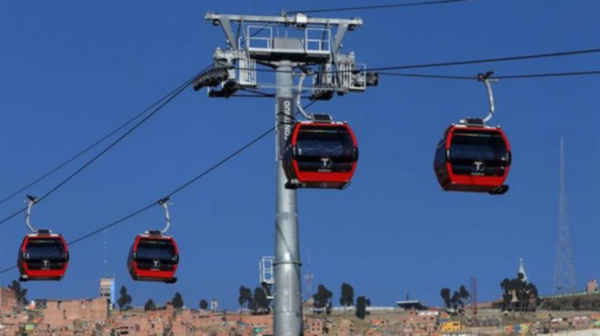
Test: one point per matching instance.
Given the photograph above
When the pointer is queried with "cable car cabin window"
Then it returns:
(155, 249)
(45, 249)
(317, 143)
(478, 153)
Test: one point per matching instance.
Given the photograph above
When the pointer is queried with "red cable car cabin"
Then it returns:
(320, 154)
(153, 257)
(43, 256)
(473, 157)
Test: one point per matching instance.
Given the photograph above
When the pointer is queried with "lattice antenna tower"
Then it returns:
(474, 295)
(564, 268)
(105, 254)
(308, 279)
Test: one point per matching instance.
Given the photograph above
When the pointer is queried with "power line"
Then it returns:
(518, 76)
(86, 149)
(170, 194)
(383, 6)
(164, 101)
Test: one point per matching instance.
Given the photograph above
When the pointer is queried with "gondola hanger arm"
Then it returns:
(165, 204)
(485, 78)
(31, 200)
(299, 96)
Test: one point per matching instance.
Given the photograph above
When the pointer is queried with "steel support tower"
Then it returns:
(294, 47)
(474, 295)
(266, 277)
(564, 268)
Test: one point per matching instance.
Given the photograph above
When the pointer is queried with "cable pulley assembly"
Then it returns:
(212, 77)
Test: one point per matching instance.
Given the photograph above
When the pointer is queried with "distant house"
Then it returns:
(411, 304)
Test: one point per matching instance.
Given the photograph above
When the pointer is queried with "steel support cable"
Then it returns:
(395, 74)
(155, 203)
(108, 226)
(220, 163)
(490, 60)
(545, 75)
(241, 95)
(7, 269)
(518, 76)
(86, 149)
(250, 96)
(258, 92)
(382, 6)
(227, 158)
(169, 195)
(465, 62)
(156, 109)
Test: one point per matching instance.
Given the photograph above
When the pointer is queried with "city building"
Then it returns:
(107, 290)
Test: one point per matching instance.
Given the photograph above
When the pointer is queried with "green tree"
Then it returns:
(525, 292)
(149, 305)
(203, 304)
(252, 306)
(576, 303)
(505, 285)
(347, 295)
(177, 301)
(464, 293)
(261, 301)
(20, 292)
(245, 298)
(445, 294)
(506, 296)
(361, 307)
(456, 301)
(322, 299)
(124, 299)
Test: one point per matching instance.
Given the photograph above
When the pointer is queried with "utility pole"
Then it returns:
(292, 46)
(564, 267)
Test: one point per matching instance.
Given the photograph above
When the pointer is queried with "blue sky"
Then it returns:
(72, 71)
